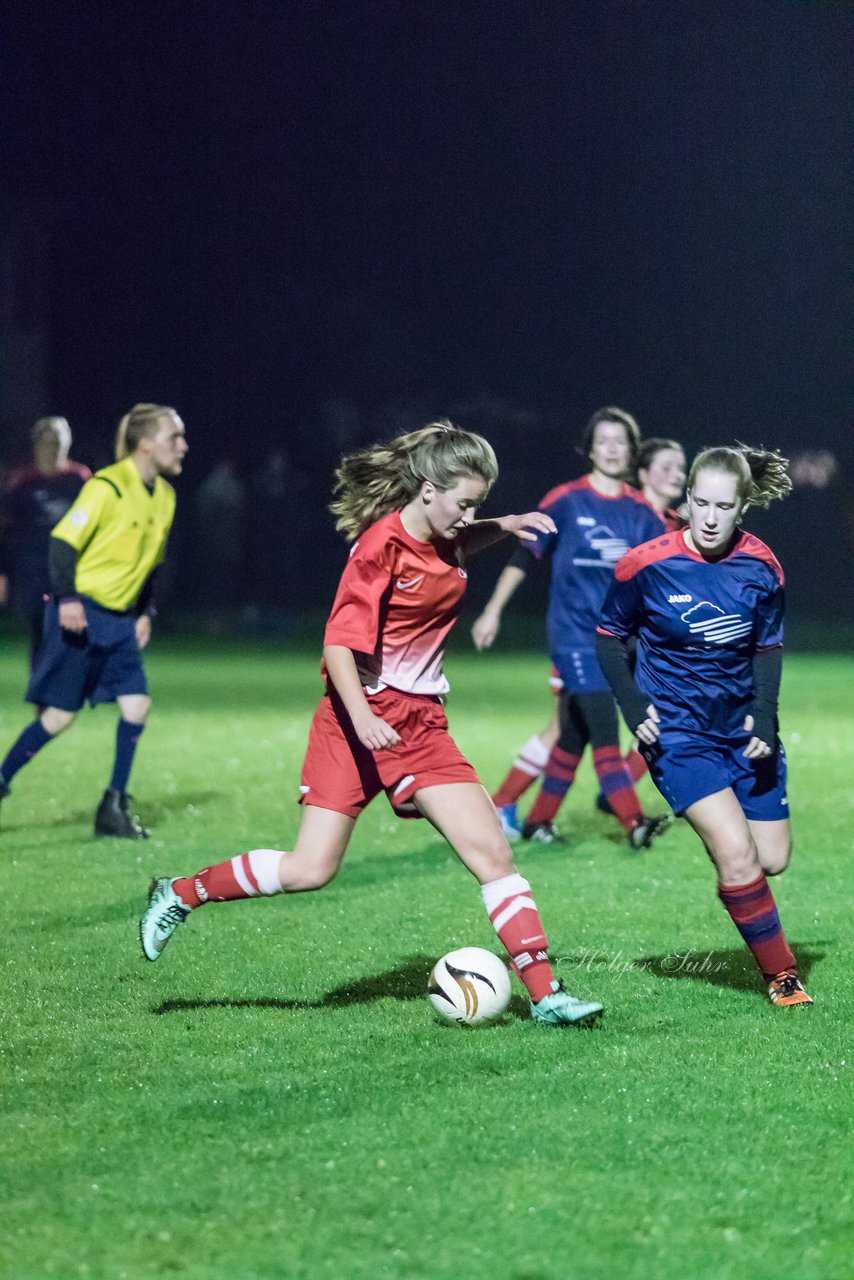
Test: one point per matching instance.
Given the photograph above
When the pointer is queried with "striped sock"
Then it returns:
(559, 777)
(516, 920)
(245, 876)
(754, 914)
(527, 767)
(616, 783)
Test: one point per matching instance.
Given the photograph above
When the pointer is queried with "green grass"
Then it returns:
(274, 1097)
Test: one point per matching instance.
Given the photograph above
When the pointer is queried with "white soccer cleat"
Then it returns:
(165, 911)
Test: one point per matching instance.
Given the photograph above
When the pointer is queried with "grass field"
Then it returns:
(274, 1097)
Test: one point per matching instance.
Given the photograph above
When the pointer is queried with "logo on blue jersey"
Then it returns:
(708, 622)
(608, 547)
(679, 599)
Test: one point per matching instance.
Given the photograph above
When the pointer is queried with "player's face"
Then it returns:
(665, 475)
(169, 445)
(714, 509)
(610, 451)
(450, 510)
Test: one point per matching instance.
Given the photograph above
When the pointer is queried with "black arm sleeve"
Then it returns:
(62, 566)
(613, 656)
(767, 670)
(145, 602)
(521, 559)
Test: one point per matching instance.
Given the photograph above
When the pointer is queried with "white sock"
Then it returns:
(265, 869)
(533, 757)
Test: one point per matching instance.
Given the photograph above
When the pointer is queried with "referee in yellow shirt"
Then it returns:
(104, 554)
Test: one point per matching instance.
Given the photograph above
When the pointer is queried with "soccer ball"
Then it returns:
(469, 986)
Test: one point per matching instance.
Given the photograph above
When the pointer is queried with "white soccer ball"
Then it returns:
(469, 986)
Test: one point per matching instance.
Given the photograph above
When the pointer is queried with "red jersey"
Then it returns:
(397, 600)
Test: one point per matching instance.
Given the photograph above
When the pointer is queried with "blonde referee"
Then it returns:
(104, 555)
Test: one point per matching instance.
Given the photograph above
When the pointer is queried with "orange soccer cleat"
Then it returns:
(786, 989)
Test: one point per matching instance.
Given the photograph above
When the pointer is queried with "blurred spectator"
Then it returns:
(219, 538)
(36, 498)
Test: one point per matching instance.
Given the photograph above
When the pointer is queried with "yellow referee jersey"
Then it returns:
(119, 530)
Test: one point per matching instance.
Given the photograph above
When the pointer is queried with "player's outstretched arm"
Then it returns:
(482, 533)
(371, 731)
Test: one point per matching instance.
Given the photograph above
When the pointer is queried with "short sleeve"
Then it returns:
(769, 630)
(621, 610)
(82, 519)
(545, 543)
(356, 614)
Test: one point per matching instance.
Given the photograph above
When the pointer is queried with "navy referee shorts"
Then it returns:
(99, 665)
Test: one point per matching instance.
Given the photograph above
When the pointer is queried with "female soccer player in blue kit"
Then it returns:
(706, 604)
(597, 518)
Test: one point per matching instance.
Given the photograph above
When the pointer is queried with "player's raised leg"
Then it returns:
(465, 816)
(320, 846)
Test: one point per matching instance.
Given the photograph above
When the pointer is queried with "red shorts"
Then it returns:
(339, 773)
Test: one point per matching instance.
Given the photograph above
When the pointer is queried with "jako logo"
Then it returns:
(679, 599)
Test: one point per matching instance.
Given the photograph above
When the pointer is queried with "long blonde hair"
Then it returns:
(761, 475)
(384, 477)
(141, 421)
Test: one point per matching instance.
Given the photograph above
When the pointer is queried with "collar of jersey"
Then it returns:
(695, 555)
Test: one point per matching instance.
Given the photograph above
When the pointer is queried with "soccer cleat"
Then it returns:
(646, 829)
(786, 989)
(603, 804)
(165, 911)
(560, 1009)
(113, 818)
(543, 832)
(509, 819)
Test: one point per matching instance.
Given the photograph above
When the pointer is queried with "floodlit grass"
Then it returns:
(274, 1097)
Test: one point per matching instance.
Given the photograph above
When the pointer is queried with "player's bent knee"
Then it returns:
(55, 721)
(135, 707)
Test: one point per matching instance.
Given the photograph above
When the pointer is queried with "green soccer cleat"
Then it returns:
(165, 911)
(560, 1009)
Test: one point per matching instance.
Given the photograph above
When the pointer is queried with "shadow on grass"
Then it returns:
(149, 810)
(734, 969)
(407, 981)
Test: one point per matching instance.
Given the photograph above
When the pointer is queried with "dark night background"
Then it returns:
(307, 225)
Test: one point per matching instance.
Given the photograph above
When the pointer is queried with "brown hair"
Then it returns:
(384, 477)
(610, 413)
(762, 475)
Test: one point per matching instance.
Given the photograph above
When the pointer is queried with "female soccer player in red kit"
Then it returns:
(706, 603)
(380, 726)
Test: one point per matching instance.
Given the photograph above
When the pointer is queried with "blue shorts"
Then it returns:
(101, 664)
(687, 768)
(580, 672)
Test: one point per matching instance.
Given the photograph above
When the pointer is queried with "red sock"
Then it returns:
(754, 914)
(527, 767)
(245, 876)
(636, 765)
(616, 783)
(516, 920)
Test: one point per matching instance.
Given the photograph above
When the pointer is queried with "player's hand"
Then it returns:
(72, 616)
(648, 730)
(374, 733)
(485, 629)
(756, 749)
(143, 630)
(526, 527)
(4, 589)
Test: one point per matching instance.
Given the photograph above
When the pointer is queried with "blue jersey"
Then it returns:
(593, 532)
(698, 624)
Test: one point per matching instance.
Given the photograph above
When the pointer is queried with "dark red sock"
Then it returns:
(616, 783)
(754, 914)
(516, 920)
(636, 765)
(559, 777)
(224, 882)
